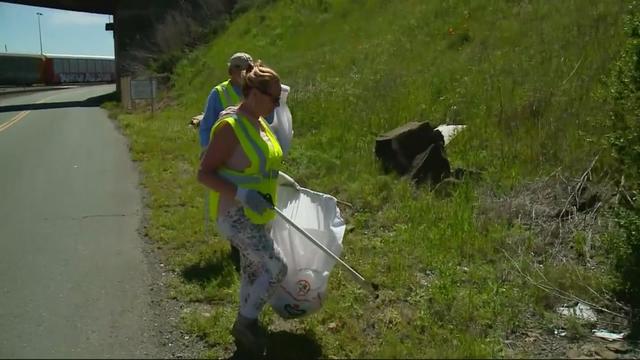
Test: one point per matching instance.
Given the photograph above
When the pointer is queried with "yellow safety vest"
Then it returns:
(262, 174)
(227, 94)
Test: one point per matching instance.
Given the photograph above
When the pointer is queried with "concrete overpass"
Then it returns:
(135, 22)
(132, 21)
(93, 6)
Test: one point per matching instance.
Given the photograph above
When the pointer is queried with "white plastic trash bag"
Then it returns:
(305, 287)
(282, 125)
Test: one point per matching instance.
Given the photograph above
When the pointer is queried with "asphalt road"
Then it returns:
(74, 281)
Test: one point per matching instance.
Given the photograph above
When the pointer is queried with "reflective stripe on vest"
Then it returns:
(227, 94)
(264, 162)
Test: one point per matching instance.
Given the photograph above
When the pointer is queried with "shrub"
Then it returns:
(624, 139)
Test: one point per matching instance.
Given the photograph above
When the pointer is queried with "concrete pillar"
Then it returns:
(116, 50)
(125, 92)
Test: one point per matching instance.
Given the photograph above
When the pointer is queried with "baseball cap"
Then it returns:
(240, 60)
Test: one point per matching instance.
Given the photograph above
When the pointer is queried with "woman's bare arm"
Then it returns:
(216, 155)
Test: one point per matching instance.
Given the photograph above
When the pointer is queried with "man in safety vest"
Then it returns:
(227, 93)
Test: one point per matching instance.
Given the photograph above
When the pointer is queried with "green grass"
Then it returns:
(520, 74)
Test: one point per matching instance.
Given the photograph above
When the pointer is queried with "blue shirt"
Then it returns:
(212, 109)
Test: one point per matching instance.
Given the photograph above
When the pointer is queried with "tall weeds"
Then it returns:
(519, 74)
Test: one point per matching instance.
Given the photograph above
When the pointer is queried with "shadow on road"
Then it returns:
(284, 345)
(89, 102)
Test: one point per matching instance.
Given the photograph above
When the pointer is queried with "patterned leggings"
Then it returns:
(262, 266)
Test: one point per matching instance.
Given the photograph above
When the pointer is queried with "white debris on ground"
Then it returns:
(559, 332)
(195, 121)
(449, 131)
(584, 312)
(580, 310)
(607, 335)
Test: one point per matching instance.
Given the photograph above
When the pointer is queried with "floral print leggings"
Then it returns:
(262, 266)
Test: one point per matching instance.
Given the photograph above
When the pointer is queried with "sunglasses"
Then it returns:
(275, 99)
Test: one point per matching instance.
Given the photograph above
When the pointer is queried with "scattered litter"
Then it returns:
(559, 332)
(607, 335)
(195, 121)
(449, 131)
(579, 310)
(425, 278)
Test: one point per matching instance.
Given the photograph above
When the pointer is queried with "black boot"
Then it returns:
(249, 336)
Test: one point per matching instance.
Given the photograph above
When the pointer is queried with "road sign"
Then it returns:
(142, 89)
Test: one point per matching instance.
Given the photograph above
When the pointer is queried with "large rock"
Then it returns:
(415, 149)
(430, 165)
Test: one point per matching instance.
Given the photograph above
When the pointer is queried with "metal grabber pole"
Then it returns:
(206, 215)
(367, 285)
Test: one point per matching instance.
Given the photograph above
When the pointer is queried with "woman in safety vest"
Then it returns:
(240, 166)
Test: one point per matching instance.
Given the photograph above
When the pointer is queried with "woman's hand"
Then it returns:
(253, 200)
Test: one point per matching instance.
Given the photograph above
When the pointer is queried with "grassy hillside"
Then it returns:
(464, 273)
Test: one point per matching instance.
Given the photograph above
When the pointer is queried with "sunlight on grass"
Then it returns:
(520, 74)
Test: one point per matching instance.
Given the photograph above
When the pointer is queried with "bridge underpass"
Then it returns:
(145, 30)
(132, 21)
(94, 6)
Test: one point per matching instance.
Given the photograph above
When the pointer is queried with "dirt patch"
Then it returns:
(540, 344)
(564, 221)
(556, 210)
(166, 322)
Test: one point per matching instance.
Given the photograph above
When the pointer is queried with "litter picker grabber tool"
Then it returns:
(367, 285)
(206, 215)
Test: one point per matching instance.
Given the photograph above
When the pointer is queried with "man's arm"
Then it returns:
(212, 108)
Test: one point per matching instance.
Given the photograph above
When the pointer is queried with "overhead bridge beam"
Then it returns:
(93, 6)
(132, 20)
